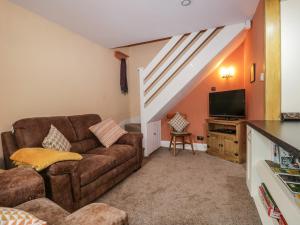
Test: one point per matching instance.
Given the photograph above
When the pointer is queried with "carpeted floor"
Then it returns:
(185, 190)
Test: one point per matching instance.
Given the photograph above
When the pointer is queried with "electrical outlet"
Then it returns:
(200, 138)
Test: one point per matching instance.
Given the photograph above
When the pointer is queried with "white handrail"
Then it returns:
(178, 64)
(171, 59)
(162, 53)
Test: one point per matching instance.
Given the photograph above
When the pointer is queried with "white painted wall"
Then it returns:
(290, 50)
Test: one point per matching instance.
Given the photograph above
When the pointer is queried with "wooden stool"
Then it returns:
(181, 136)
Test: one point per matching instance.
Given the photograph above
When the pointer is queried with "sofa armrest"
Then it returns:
(64, 167)
(135, 140)
(9, 147)
(65, 172)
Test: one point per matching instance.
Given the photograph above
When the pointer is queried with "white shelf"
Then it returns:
(265, 218)
(281, 195)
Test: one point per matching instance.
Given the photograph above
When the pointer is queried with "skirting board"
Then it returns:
(197, 146)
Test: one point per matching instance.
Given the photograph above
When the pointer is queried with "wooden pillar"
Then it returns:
(273, 60)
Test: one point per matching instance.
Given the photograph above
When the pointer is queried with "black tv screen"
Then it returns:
(227, 104)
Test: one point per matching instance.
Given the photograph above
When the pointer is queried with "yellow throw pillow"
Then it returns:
(41, 158)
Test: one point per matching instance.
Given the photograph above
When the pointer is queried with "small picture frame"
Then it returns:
(252, 73)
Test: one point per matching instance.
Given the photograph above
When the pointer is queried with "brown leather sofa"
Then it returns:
(23, 188)
(73, 184)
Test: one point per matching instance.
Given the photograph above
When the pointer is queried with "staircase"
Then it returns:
(180, 65)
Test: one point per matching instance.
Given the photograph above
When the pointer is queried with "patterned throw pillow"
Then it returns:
(10, 216)
(56, 140)
(178, 122)
(108, 132)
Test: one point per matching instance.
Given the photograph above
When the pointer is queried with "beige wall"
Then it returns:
(46, 70)
(139, 56)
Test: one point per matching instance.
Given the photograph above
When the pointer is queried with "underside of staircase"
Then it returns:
(179, 67)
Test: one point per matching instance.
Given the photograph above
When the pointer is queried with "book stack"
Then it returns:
(290, 177)
(268, 202)
(275, 167)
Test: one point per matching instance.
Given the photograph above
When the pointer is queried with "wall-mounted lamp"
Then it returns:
(227, 72)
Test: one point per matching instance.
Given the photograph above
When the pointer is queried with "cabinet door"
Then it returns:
(221, 145)
(213, 143)
(231, 147)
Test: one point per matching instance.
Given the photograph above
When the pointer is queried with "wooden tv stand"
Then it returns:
(227, 139)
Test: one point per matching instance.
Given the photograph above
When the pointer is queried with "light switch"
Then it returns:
(262, 77)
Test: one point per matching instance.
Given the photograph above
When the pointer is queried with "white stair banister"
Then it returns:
(160, 56)
(171, 59)
(178, 64)
(170, 93)
(142, 112)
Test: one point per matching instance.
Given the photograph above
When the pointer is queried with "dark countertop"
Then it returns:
(286, 134)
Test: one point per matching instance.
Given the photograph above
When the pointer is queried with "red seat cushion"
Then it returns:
(121, 153)
(93, 166)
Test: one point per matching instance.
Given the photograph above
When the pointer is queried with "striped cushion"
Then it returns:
(9, 216)
(108, 132)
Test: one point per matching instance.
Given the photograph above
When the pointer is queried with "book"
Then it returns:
(268, 202)
(282, 221)
(289, 178)
(269, 195)
(272, 164)
(295, 188)
(275, 167)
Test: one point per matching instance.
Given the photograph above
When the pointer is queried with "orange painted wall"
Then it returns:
(255, 53)
(195, 105)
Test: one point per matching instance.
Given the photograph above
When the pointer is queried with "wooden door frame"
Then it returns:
(272, 60)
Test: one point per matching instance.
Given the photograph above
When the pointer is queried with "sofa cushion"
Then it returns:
(77, 147)
(31, 132)
(93, 166)
(121, 153)
(85, 138)
(81, 124)
(45, 210)
(89, 144)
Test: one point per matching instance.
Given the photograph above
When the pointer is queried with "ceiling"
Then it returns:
(114, 23)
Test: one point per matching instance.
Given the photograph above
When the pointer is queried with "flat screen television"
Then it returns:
(227, 104)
